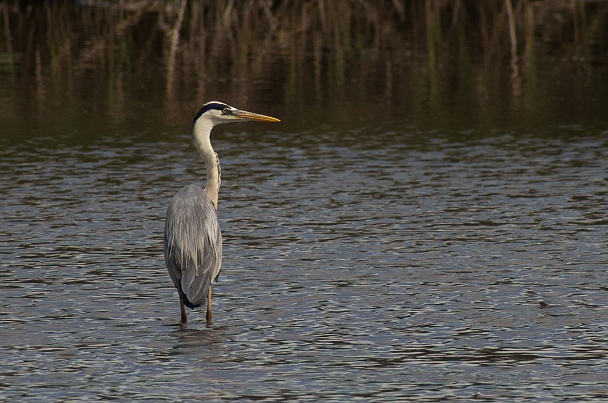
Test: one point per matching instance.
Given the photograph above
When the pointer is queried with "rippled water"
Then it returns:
(372, 264)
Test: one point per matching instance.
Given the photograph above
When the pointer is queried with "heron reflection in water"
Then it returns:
(193, 240)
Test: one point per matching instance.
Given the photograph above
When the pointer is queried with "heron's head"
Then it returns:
(217, 113)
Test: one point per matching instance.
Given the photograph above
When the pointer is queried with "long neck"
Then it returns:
(202, 140)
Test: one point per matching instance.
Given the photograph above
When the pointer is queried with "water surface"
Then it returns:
(400, 256)
(414, 269)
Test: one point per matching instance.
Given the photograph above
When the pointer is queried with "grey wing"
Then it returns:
(193, 244)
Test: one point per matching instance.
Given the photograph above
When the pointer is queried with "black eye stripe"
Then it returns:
(211, 105)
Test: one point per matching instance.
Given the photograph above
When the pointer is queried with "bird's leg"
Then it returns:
(209, 306)
(183, 310)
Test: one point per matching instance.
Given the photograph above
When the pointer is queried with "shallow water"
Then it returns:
(419, 227)
(392, 268)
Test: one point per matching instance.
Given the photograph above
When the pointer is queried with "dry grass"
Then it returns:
(337, 52)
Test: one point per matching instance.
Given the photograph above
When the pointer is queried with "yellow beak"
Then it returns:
(254, 116)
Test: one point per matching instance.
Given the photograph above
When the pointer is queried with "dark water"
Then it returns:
(410, 269)
(366, 257)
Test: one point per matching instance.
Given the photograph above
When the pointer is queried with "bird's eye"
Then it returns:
(225, 111)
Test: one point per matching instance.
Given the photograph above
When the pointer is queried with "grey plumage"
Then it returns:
(193, 244)
(192, 239)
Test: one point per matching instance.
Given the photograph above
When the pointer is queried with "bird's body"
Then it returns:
(193, 244)
(192, 239)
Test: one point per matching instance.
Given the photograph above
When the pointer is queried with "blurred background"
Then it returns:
(427, 222)
(132, 65)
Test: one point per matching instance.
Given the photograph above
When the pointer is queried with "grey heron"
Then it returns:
(193, 241)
